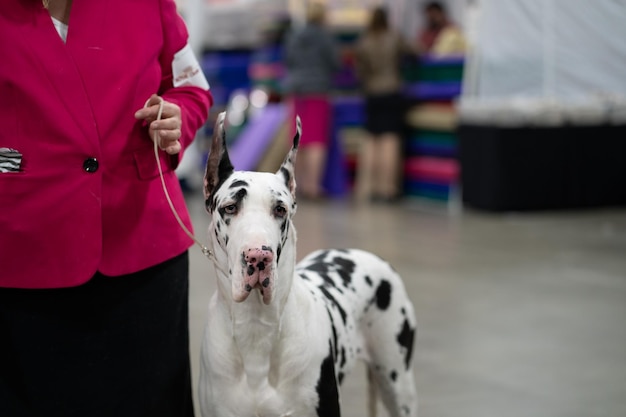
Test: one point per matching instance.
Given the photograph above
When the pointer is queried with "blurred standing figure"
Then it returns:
(441, 36)
(311, 59)
(94, 273)
(379, 54)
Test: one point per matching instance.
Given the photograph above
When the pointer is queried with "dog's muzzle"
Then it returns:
(257, 273)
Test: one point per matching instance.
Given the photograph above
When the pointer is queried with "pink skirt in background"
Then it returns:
(315, 114)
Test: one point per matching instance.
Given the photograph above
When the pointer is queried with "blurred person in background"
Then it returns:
(94, 266)
(440, 36)
(379, 54)
(311, 60)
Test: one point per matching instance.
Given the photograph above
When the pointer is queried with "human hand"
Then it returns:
(167, 128)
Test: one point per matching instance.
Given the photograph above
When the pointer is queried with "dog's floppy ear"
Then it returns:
(218, 166)
(287, 169)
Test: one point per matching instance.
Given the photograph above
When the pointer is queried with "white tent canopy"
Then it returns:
(547, 55)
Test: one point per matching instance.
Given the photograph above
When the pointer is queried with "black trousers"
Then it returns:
(116, 346)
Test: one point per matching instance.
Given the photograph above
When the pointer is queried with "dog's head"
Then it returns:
(251, 216)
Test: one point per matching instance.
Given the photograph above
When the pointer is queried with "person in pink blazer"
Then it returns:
(93, 265)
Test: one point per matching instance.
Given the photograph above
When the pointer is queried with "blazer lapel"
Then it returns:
(60, 68)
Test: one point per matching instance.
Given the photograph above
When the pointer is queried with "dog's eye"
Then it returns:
(280, 211)
(230, 209)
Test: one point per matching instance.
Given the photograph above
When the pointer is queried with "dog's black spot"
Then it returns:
(345, 269)
(368, 280)
(227, 221)
(286, 175)
(337, 305)
(321, 268)
(393, 375)
(266, 282)
(248, 287)
(239, 195)
(238, 183)
(327, 392)
(383, 295)
(261, 266)
(285, 236)
(342, 362)
(334, 330)
(250, 270)
(226, 239)
(267, 249)
(403, 311)
(405, 339)
(340, 376)
(279, 249)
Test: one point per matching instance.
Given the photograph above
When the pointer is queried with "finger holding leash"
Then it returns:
(164, 120)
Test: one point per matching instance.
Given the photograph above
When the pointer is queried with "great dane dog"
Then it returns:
(281, 337)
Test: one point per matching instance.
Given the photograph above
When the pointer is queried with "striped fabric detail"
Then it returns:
(10, 160)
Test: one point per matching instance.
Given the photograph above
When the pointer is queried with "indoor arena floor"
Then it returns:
(518, 314)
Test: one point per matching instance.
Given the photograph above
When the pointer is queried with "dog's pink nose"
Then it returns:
(259, 258)
(257, 261)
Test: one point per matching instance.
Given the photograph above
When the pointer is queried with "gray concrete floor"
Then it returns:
(518, 314)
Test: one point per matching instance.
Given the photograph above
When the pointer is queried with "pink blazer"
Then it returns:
(88, 197)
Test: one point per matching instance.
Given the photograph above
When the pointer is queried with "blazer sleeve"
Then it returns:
(194, 101)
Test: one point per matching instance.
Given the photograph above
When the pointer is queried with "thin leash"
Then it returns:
(205, 250)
